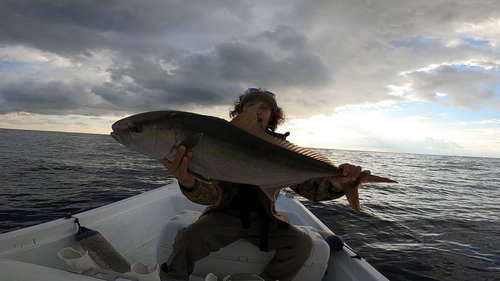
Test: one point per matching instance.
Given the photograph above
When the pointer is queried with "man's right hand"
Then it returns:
(178, 168)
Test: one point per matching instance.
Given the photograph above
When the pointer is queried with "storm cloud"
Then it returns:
(103, 57)
(470, 88)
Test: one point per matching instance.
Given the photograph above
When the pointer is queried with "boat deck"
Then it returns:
(145, 254)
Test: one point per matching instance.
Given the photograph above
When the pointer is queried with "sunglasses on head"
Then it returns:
(253, 90)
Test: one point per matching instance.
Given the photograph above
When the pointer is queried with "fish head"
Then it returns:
(151, 133)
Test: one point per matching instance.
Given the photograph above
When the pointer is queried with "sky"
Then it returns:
(395, 76)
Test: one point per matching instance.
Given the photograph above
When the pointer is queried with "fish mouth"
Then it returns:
(119, 132)
(117, 138)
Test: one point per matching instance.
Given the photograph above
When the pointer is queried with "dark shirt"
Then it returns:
(246, 199)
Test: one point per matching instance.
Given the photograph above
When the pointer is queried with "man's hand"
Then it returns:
(178, 167)
(350, 173)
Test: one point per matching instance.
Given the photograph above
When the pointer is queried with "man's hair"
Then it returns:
(277, 117)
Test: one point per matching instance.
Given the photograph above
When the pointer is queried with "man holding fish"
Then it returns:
(238, 210)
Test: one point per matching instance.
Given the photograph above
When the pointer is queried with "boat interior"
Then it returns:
(142, 229)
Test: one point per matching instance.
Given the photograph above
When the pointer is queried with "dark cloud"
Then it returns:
(242, 62)
(145, 84)
(211, 78)
(71, 27)
(287, 38)
(167, 53)
(472, 88)
(53, 97)
(162, 53)
(57, 37)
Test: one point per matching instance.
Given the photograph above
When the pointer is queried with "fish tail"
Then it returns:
(352, 194)
(365, 178)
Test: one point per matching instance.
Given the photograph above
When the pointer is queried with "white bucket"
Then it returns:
(143, 273)
(75, 259)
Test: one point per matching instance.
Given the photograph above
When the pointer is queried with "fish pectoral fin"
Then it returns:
(271, 191)
(192, 141)
(199, 177)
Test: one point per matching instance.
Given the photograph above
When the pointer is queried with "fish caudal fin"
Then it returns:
(351, 190)
(352, 196)
(365, 178)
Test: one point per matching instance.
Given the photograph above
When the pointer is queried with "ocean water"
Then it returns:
(440, 222)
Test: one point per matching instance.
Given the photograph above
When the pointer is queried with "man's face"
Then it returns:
(264, 112)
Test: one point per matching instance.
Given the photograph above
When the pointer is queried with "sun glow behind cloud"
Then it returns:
(387, 130)
(354, 127)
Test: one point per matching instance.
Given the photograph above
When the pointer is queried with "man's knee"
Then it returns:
(187, 234)
(302, 243)
(182, 234)
(306, 243)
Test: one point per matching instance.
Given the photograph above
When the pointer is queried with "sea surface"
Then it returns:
(441, 222)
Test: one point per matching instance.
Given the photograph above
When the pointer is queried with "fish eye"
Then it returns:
(137, 128)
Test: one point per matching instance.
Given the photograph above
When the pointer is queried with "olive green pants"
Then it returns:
(217, 229)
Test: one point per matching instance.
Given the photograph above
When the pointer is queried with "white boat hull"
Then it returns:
(133, 226)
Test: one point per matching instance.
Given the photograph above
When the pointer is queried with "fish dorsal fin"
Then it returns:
(247, 121)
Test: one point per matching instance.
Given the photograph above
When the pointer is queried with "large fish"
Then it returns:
(238, 151)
